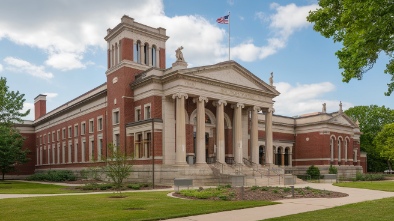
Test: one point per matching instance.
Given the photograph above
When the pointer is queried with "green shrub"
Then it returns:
(54, 176)
(332, 170)
(134, 186)
(254, 188)
(368, 177)
(314, 172)
(264, 188)
(286, 189)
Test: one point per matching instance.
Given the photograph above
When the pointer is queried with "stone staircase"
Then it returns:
(255, 174)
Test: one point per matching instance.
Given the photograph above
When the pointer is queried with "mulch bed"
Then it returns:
(273, 194)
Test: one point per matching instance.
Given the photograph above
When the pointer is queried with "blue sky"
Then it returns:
(57, 48)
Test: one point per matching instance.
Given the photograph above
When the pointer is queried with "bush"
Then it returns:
(54, 176)
(134, 186)
(332, 170)
(314, 172)
(369, 177)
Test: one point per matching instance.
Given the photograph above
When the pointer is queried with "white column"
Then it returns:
(180, 157)
(269, 139)
(220, 130)
(200, 130)
(254, 147)
(238, 132)
(291, 157)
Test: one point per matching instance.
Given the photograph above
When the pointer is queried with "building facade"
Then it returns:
(184, 120)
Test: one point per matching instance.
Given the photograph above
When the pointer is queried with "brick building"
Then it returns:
(185, 120)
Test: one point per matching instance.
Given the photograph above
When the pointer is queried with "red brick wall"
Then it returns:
(29, 144)
(72, 122)
(127, 49)
(39, 109)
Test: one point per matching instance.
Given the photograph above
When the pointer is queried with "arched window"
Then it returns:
(153, 56)
(137, 52)
(346, 146)
(116, 53)
(146, 54)
(112, 56)
(339, 150)
(332, 149)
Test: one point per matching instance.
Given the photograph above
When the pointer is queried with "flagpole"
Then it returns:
(228, 35)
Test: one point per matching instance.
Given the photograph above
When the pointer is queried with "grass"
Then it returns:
(371, 210)
(136, 206)
(372, 185)
(15, 187)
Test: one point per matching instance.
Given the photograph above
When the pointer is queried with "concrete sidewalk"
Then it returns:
(294, 206)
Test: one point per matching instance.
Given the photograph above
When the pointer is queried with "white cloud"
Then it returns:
(1, 68)
(22, 66)
(305, 98)
(50, 95)
(230, 2)
(27, 106)
(283, 23)
(65, 61)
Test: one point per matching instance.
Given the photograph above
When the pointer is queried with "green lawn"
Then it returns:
(136, 206)
(372, 185)
(370, 210)
(15, 187)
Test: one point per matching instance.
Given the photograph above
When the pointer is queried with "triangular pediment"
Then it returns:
(231, 73)
(340, 119)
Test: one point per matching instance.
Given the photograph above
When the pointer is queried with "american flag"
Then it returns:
(223, 20)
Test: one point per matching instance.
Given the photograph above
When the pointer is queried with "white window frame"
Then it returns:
(63, 133)
(83, 128)
(91, 125)
(100, 126)
(146, 106)
(58, 135)
(69, 131)
(115, 116)
(75, 130)
(137, 116)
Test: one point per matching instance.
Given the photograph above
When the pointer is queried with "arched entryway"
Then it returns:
(261, 154)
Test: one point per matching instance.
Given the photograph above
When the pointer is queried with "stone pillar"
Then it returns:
(200, 130)
(283, 158)
(290, 158)
(220, 151)
(254, 147)
(238, 132)
(180, 157)
(142, 54)
(268, 139)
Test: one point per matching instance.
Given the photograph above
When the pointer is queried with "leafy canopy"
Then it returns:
(366, 30)
(384, 142)
(11, 152)
(371, 119)
(11, 104)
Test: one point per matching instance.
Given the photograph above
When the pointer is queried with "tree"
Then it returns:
(117, 166)
(366, 30)
(384, 142)
(371, 120)
(11, 152)
(11, 104)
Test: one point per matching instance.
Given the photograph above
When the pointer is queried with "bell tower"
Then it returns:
(132, 49)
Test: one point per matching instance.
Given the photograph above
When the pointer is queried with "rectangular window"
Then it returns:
(147, 145)
(100, 149)
(76, 130)
(91, 126)
(147, 112)
(49, 137)
(43, 138)
(115, 117)
(64, 133)
(138, 114)
(69, 131)
(100, 124)
(40, 139)
(83, 150)
(53, 136)
(138, 152)
(117, 140)
(83, 128)
(57, 135)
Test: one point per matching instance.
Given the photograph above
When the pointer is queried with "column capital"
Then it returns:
(257, 108)
(238, 105)
(219, 102)
(179, 95)
(200, 99)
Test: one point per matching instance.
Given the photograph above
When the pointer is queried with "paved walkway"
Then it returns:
(294, 206)
(287, 206)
